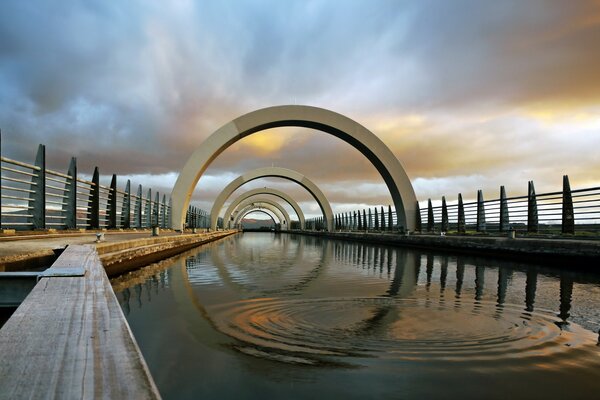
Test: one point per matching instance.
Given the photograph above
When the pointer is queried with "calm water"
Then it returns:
(264, 315)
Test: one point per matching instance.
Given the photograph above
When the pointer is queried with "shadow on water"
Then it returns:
(271, 310)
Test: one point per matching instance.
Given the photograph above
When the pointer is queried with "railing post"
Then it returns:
(148, 210)
(126, 207)
(376, 218)
(156, 209)
(365, 225)
(169, 213)
(430, 220)
(418, 221)
(504, 220)
(137, 209)
(164, 212)
(532, 212)
(94, 201)
(370, 220)
(444, 215)
(390, 219)
(38, 183)
(461, 225)
(568, 215)
(480, 212)
(112, 203)
(70, 205)
(382, 219)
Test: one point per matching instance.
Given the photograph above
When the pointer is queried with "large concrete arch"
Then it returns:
(358, 136)
(266, 204)
(277, 172)
(255, 192)
(261, 211)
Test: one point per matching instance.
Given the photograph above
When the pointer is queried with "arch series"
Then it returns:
(382, 158)
(272, 206)
(260, 191)
(275, 172)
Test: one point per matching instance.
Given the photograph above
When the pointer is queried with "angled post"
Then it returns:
(359, 225)
(365, 225)
(148, 210)
(461, 215)
(137, 209)
(164, 212)
(532, 211)
(70, 204)
(126, 207)
(504, 220)
(156, 211)
(568, 215)
(169, 213)
(38, 184)
(418, 222)
(430, 219)
(370, 220)
(390, 220)
(376, 219)
(382, 219)
(480, 212)
(94, 201)
(444, 227)
(112, 203)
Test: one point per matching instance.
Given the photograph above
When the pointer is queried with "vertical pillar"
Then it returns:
(418, 221)
(164, 212)
(370, 220)
(148, 210)
(430, 220)
(38, 184)
(532, 212)
(137, 209)
(461, 216)
(390, 220)
(353, 224)
(359, 226)
(365, 226)
(94, 201)
(480, 212)
(169, 213)
(568, 216)
(70, 205)
(376, 219)
(112, 203)
(382, 219)
(126, 207)
(504, 221)
(156, 210)
(444, 227)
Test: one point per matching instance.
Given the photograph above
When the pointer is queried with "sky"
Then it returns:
(467, 94)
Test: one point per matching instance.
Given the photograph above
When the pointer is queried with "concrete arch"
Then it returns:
(277, 172)
(264, 212)
(261, 201)
(274, 207)
(274, 192)
(358, 136)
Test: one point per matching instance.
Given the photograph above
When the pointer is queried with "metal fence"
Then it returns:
(564, 212)
(36, 197)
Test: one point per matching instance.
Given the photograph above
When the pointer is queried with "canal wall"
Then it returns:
(584, 253)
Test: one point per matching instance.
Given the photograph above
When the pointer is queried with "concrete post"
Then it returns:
(568, 215)
(70, 205)
(461, 215)
(382, 219)
(445, 224)
(169, 213)
(164, 212)
(418, 222)
(365, 225)
(390, 219)
(370, 220)
(376, 219)
(38, 184)
(111, 205)
(532, 212)
(137, 209)
(504, 221)
(430, 218)
(94, 201)
(480, 212)
(156, 210)
(126, 207)
(148, 210)
(359, 225)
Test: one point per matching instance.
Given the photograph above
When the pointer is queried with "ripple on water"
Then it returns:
(312, 331)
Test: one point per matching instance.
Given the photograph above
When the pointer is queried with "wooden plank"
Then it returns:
(69, 339)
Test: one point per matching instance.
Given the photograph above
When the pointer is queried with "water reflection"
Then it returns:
(307, 301)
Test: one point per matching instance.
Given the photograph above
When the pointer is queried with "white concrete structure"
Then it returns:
(277, 172)
(261, 191)
(327, 121)
(263, 204)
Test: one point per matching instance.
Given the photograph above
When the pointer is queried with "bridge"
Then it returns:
(110, 230)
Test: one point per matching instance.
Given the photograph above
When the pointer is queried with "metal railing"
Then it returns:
(34, 197)
(569, 212)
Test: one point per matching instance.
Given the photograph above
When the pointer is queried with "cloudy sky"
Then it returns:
(468, 94)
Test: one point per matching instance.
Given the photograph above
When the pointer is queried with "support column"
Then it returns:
(376, 218)
(70, 204)
(156, 210)
(382, 219)
(532, 212)
(390, 219)
(504, 221)
(461, 225)
(430, 220)
(568, 215)
(112, 203)
(164, 212)
(365, 225)
(480, 212)
(94, 201)
(137, 209)
(148, 210)
(418, 221)
(444, 215)
(38, 184)
(126, 207)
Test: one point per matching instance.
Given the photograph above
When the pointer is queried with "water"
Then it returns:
(264, 315)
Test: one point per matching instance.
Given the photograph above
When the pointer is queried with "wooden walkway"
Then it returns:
(69, 339)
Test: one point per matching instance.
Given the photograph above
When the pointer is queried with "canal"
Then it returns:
(267, 315)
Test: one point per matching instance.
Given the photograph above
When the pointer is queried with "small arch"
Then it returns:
(276, 172)
(335, 124)
(266, 204)
(264, 212)
(255, 192)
